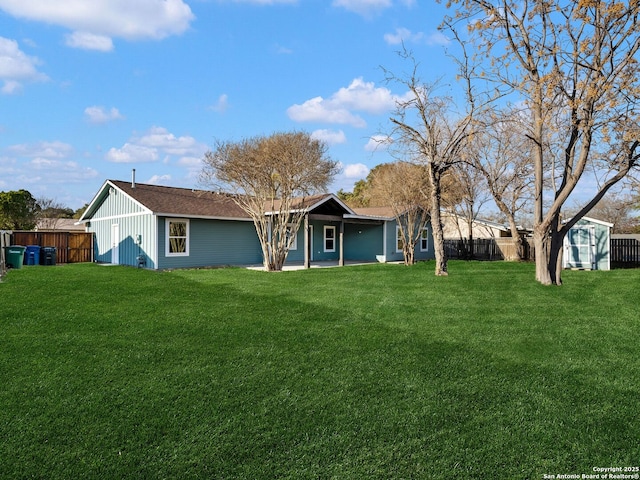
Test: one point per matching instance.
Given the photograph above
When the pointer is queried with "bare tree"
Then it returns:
(431, 134)
(473, 195)
(618, 209)
(269, 178)
(403, 186)
(574, 65)
(51, 212)
(501, 153)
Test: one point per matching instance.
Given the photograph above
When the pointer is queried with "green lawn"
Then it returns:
(378, 371)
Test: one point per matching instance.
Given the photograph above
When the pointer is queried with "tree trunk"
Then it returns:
(436, 225)
(548, 250)
(518, 242)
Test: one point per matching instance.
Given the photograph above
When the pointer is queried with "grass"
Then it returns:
(377, 371)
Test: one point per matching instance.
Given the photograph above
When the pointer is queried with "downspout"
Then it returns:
(341, 260)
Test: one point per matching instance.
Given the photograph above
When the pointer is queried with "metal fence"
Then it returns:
(71, 247)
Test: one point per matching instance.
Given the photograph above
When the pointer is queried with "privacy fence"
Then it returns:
(487, 249)
(625, 253)
(71, 247)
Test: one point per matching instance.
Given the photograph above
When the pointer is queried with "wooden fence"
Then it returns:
(625, 253)
(487, 249)
(71, 247)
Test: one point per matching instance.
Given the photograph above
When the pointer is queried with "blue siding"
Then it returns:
(393, 256)
(363, 241)
(319, 255)
(213, 243)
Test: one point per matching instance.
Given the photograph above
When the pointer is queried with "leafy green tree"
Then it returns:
(18, 210)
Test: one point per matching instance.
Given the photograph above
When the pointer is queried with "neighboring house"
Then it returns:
(59, 225)
(161, 227)
(456, 227)
(587, 245)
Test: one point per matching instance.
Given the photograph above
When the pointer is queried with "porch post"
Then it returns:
(307, 263)
(341, 261)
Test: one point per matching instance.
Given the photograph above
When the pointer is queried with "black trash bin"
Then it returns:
(48, 256)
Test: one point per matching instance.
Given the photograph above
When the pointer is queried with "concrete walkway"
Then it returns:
(327, 264)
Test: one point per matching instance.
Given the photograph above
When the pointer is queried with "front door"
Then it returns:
(115, 244)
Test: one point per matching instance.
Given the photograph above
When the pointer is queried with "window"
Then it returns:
(424, 240)
(294, 242)
(329, 239)
(177, 244)
(399, 241)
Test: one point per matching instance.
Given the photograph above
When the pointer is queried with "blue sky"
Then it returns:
(91, 90)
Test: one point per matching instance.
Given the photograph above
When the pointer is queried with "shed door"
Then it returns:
(581, 244)
(115, 244)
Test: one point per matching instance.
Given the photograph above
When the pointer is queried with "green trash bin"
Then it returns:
(14, 256)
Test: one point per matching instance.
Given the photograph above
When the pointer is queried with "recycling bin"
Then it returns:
(32, 255)
(48, 256)
(14, 256)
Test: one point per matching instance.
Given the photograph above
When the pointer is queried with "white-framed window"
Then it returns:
(399, 240)
(177, 237)
(290, 232)
(329, 238)
(424, 240)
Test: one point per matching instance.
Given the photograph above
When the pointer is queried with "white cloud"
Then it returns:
(359, 96)
(320, 110)
(161, 139)
(104, 19)
(42, 163)
(157, 143)
(59, 171)
(221, 105)
(355, 171)
(331, 137)
(54, 149)
(11, 87)
(377, 142)
(402, 35)
(438, 38)
(366, 8)
(130, 153)
(190, 162)
(97, 114)
(89, 41)
(17, 67)
(267, 2)
(160, 180)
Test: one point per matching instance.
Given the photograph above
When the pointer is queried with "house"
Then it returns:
(587, 245)
(59, 225)
(160, 227)
(456, 227)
